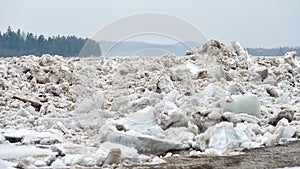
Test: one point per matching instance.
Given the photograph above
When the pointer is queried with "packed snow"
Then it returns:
(106, 111)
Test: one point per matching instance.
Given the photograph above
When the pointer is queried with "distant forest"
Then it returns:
(272, 51)
(19, 43)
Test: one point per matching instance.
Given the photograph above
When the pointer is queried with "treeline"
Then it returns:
(273, 51)
(19, 43)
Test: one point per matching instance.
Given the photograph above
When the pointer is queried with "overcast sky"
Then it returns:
(265, 23)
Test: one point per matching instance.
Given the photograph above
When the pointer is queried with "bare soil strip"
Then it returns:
(287, 155)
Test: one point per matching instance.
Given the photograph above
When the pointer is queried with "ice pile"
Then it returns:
(60, 112)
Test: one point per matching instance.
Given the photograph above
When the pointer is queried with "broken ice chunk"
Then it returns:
(274, 138)
(113, 157)
(140, 121)
(290, 58)
(5, 164)
(248, 104)
(169, 115)
(9, 151)
(88, 105)
(98, 99)
(223, 137)
(72, 159)
(85, 106)
(239, 49)
(2, 139)
(288, 132)
(179, 134)
(126, 153)
(213, 90)
(262, 71)
(29, 136)
(194, 69)
(217, 72)
(143, 143)
(172, 96)
(3, 71)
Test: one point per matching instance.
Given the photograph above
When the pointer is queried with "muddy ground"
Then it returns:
(287, 155)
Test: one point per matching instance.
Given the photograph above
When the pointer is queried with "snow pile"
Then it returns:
(107, 111)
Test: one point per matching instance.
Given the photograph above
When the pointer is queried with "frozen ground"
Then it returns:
(97, 112)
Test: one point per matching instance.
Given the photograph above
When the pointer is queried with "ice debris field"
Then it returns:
(106, 111)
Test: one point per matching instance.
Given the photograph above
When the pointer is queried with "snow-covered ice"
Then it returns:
(102, 111)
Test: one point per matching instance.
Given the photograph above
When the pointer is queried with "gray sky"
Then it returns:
(265, 23)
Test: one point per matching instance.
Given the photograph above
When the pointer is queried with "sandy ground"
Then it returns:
(279, 156)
